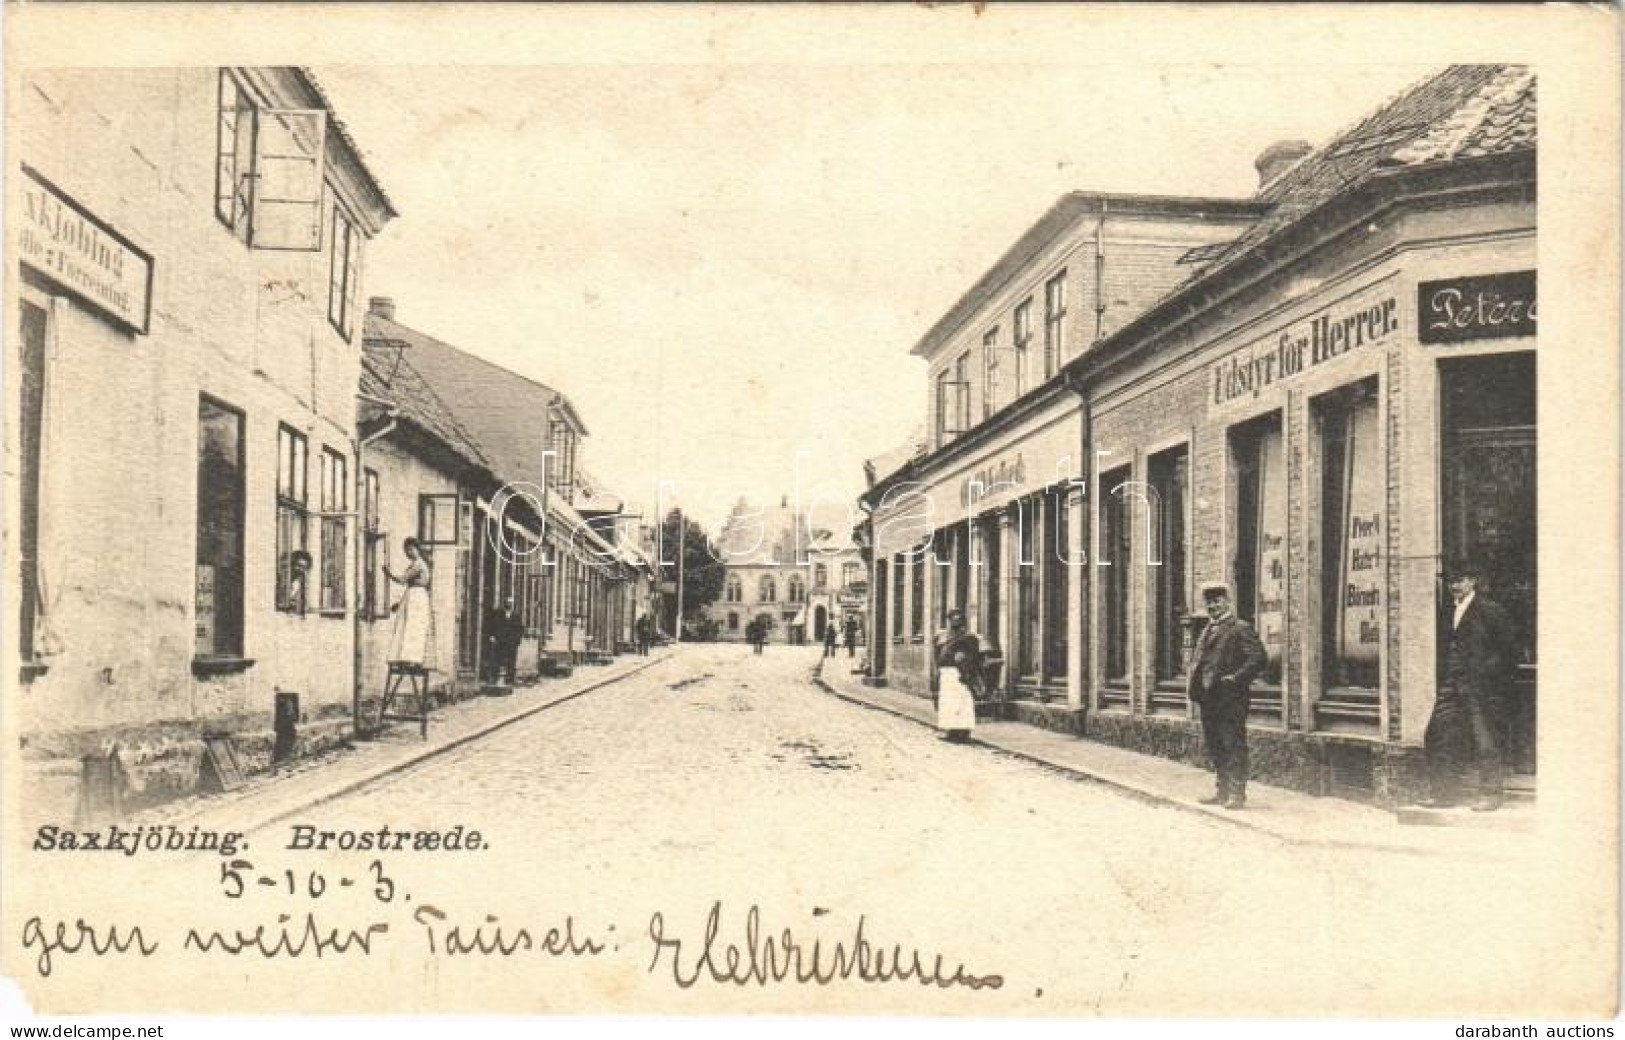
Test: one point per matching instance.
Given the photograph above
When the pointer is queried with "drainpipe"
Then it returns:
(1077, 381)
(1100, 273)
(358, 446)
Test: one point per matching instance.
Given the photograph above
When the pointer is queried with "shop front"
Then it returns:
(990, 526)
(1330, 454)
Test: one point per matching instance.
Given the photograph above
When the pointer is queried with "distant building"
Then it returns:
(781, 568)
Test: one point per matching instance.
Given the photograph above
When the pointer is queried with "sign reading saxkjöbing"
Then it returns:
(67, 244)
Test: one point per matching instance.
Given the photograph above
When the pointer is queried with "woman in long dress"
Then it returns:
(412, 642)
(959, 671)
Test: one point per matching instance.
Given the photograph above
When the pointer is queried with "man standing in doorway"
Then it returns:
(1228, 658)
(1470, 711)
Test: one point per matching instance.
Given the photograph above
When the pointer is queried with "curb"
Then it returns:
(425, 754)
(1136, 792)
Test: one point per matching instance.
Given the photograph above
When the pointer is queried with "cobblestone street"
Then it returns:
(720, 775)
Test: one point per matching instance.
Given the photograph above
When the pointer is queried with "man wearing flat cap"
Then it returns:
(1469, 713)
(1227, 659)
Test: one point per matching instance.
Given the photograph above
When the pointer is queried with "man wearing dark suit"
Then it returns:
(1227, 659)
(1470, 710)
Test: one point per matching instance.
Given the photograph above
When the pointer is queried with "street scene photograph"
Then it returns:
(929, 511)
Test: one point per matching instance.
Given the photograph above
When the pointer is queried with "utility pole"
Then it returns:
(682, 534)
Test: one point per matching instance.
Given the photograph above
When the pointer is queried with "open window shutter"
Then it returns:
(288, 162)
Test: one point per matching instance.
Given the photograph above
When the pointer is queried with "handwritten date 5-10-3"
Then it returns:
(238, 876)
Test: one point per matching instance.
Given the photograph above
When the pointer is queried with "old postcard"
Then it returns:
(962, 510)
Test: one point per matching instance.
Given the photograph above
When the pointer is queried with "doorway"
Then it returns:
(1487, 439)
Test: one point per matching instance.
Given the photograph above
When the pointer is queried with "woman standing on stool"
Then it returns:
(412, 642)
(959, 672)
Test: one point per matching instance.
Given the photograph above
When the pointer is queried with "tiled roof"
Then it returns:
(504, 413)
(1463, 111)
(386, 373)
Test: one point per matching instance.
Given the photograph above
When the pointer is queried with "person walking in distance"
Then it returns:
(851, 637)
(829, 639)
(1469, 713)
(1227, 659)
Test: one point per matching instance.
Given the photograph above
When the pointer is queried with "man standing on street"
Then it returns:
(829, 639)
(640, 630)
(1227, 660)
(851, 637)
(1470, 710)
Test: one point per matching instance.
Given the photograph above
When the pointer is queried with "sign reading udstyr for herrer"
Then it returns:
(66, 243)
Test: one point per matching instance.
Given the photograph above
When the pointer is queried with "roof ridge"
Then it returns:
(475, 357)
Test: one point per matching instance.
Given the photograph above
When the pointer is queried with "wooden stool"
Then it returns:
(417, 677)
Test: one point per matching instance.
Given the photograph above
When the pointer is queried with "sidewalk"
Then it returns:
(1287, 815)
(266, 798)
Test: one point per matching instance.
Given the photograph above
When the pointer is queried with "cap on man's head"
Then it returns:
(1216, 589)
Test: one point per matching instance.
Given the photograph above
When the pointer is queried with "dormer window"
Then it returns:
(561, 438)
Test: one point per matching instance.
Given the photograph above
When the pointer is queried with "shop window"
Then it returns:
(218, 600)
(343, 271)
(899, 568)
(1259, 564)
(31, 382)
(1023, 340)
(1116, 547)
(1026, 530)
(942, 559)
(1057, 577)
(962, 567)
(293, 561)
(767, 590)
(1169, 577)
(335, 503)
(374, 550)
(1054, 324)
(268, 172)
(1353, 533)
(916, 581)
(991, 564)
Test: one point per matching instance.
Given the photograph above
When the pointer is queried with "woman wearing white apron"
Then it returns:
(959, 671)
(412, 642)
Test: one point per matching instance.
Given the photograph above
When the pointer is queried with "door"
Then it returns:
(1489, 478)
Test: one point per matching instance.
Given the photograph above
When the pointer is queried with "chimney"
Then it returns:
(383, 306)
(1278, 158)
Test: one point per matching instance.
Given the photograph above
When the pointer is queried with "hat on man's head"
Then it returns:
(1465, 567)
(1215, 589)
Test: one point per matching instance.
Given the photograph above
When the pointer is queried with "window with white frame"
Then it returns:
(268, 169)
(1054, 323)
(343, 270)
(991, 376)
(1023, 340)
(335, 503)
(292, 520)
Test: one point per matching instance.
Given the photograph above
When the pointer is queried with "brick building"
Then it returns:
(1337, 400)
